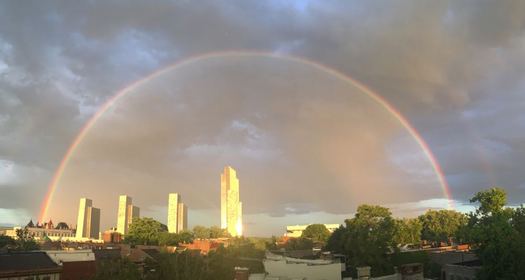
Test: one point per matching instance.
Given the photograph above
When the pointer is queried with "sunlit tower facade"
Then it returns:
(182, 217)
(126, 213)
(177, 214)
(231, 206)
(88, 221)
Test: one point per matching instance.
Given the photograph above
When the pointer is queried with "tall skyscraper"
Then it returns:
(231, 206)
(88, 221)
(126, 213)
(182, 217)
(177, 214)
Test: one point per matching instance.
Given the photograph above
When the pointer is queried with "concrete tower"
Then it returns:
(177, 214)
(126, 213)
(231, 206)
(88, 221)
(182, 217)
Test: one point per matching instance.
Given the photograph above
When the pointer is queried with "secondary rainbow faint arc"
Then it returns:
(225, 54)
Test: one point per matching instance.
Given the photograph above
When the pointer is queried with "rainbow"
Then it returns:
(226, 54)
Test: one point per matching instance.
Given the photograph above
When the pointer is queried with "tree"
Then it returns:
(518, 219)
(316, 232)
(337, 240)
(25, 241)
(186, 236)
(211, 232)
(174, 239)
(441, 225)
(118, 269)
(491, 201)
(300, 243)
(369, 237)
(6, 241)
(145, 231)
(407, 231)
(217, 232)
(201, 232)
(180, 266)
(497, 232)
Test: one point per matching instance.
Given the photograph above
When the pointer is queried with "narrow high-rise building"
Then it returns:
(231, 206)
(88, 221)
(182, 217)
(126, 213)
(177, 214)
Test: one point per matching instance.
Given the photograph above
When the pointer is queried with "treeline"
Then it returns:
(147, 231)
(495, 232)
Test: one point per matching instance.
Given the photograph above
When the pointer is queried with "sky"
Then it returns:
(308, 146)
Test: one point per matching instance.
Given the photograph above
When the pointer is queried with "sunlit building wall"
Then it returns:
(231, 207)
(297, 230)
(88, 220)
(177, 214)
(126, 213)
(122, 219)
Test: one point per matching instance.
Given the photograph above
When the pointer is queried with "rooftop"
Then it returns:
(17, 263)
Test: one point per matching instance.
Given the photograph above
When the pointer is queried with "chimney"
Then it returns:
(242, 273)
(363, 273)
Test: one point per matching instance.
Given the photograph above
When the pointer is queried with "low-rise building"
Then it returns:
(463, 270)
(77, 264)
(112, 236)
(44, 231)
(204, 246)
(297, 230)
(28, 265)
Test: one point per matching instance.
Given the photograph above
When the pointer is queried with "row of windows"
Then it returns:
(57, 234)
(47, 277)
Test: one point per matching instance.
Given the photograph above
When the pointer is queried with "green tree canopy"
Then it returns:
(407, 231)
(174, 239)
(491, 201)
(498, 234)
(211, 232)
(337, 240)
(118, 269)
(201, 232)
(25, 241)
(441, 225)
(180, 266)
(217, 232)
(370, 237)
(145, 231)
(300, 243)
(316, 232)
(6, 241)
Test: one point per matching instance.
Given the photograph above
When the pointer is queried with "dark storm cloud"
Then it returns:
(453, 68)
